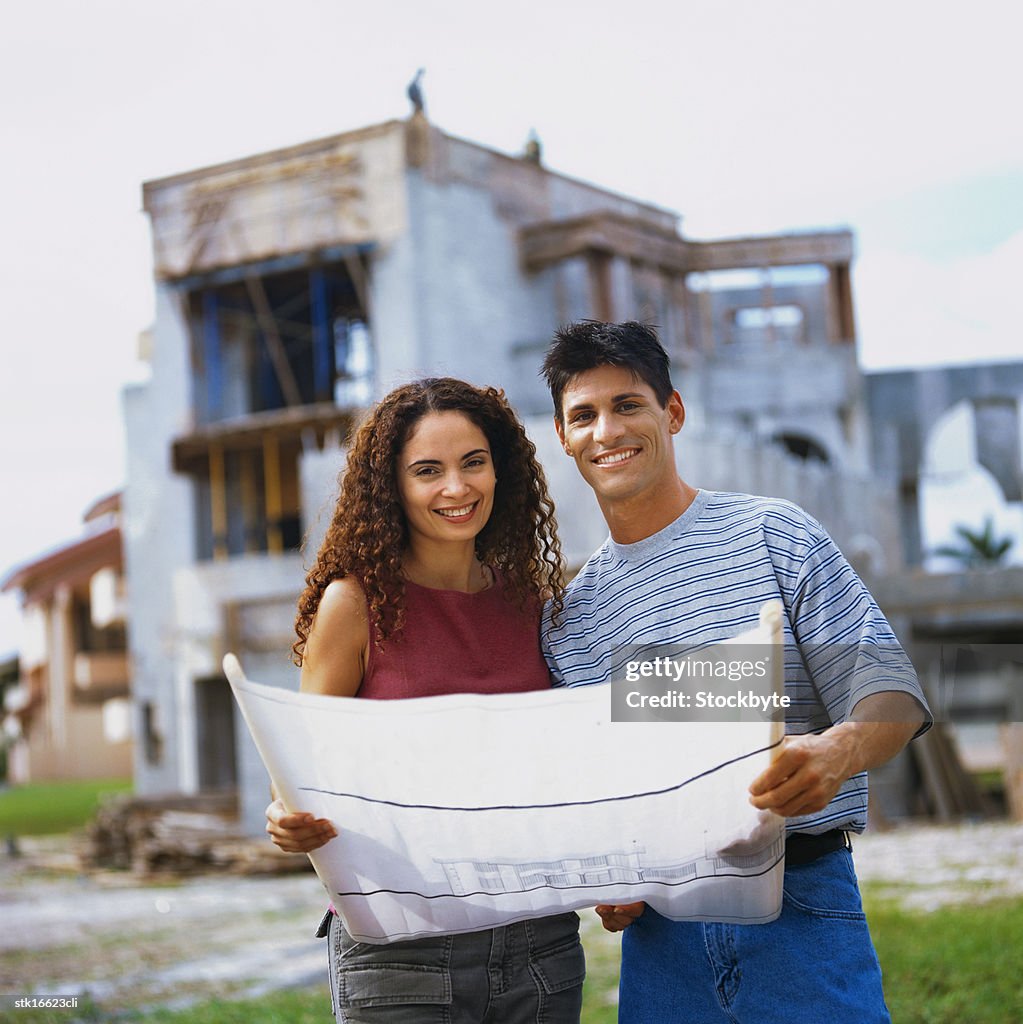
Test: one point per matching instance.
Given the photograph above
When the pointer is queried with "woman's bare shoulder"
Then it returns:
(343, 598)
(335, 654)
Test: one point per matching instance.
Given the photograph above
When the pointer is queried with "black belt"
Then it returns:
(804, 847)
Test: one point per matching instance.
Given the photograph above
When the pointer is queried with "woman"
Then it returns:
(440, 553)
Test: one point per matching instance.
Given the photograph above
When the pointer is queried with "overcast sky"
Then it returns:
(899, 120)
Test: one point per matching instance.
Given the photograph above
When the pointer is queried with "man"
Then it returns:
(684, 566)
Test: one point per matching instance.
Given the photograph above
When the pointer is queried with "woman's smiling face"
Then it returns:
(446, 478)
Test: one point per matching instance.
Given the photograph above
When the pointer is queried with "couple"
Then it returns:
(442, 552)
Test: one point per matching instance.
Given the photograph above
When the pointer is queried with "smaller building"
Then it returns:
(69, 714)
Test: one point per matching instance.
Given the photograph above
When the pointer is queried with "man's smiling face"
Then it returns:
(619, 435)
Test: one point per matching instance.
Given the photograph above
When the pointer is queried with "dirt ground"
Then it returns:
(164, 943)
(132, 945)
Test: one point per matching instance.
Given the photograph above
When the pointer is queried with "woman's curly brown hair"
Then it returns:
(368, 533)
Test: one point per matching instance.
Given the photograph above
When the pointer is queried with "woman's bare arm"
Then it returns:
(333, 663)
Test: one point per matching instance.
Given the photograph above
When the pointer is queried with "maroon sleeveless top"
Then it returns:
(458, 643)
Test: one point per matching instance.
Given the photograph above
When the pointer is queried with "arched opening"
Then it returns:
(957, 492)
(803, 447)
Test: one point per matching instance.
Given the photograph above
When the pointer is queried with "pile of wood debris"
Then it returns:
(180, 835)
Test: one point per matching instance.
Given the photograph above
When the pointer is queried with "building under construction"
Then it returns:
(296, 287)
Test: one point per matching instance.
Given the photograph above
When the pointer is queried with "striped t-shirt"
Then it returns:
(703, 579)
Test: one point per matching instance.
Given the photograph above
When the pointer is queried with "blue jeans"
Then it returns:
(526, 973)
(814, 965)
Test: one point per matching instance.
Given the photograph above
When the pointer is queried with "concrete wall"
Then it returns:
(247, 604)
(476, 313)
(319, 472)
(786, 379)
(159, 538)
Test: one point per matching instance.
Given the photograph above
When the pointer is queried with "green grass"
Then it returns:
(958, 965)
(953, 965)
(309, 1006)
(47, 808)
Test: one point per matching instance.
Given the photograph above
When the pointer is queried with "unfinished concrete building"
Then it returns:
(295, 287)
(964, 629)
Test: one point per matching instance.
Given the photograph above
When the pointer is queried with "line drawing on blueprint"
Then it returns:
(469, 877)
(538, 806)
(616, 868)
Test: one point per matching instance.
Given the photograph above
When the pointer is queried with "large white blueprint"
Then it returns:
(464, 812)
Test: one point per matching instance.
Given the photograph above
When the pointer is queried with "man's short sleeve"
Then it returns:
(849, 649)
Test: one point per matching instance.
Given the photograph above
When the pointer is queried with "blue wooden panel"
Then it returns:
(323, 368)
(213, 363)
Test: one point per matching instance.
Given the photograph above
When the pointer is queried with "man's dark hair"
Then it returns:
(590, 343)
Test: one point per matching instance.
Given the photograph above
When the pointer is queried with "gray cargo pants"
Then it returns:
(526, 973)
